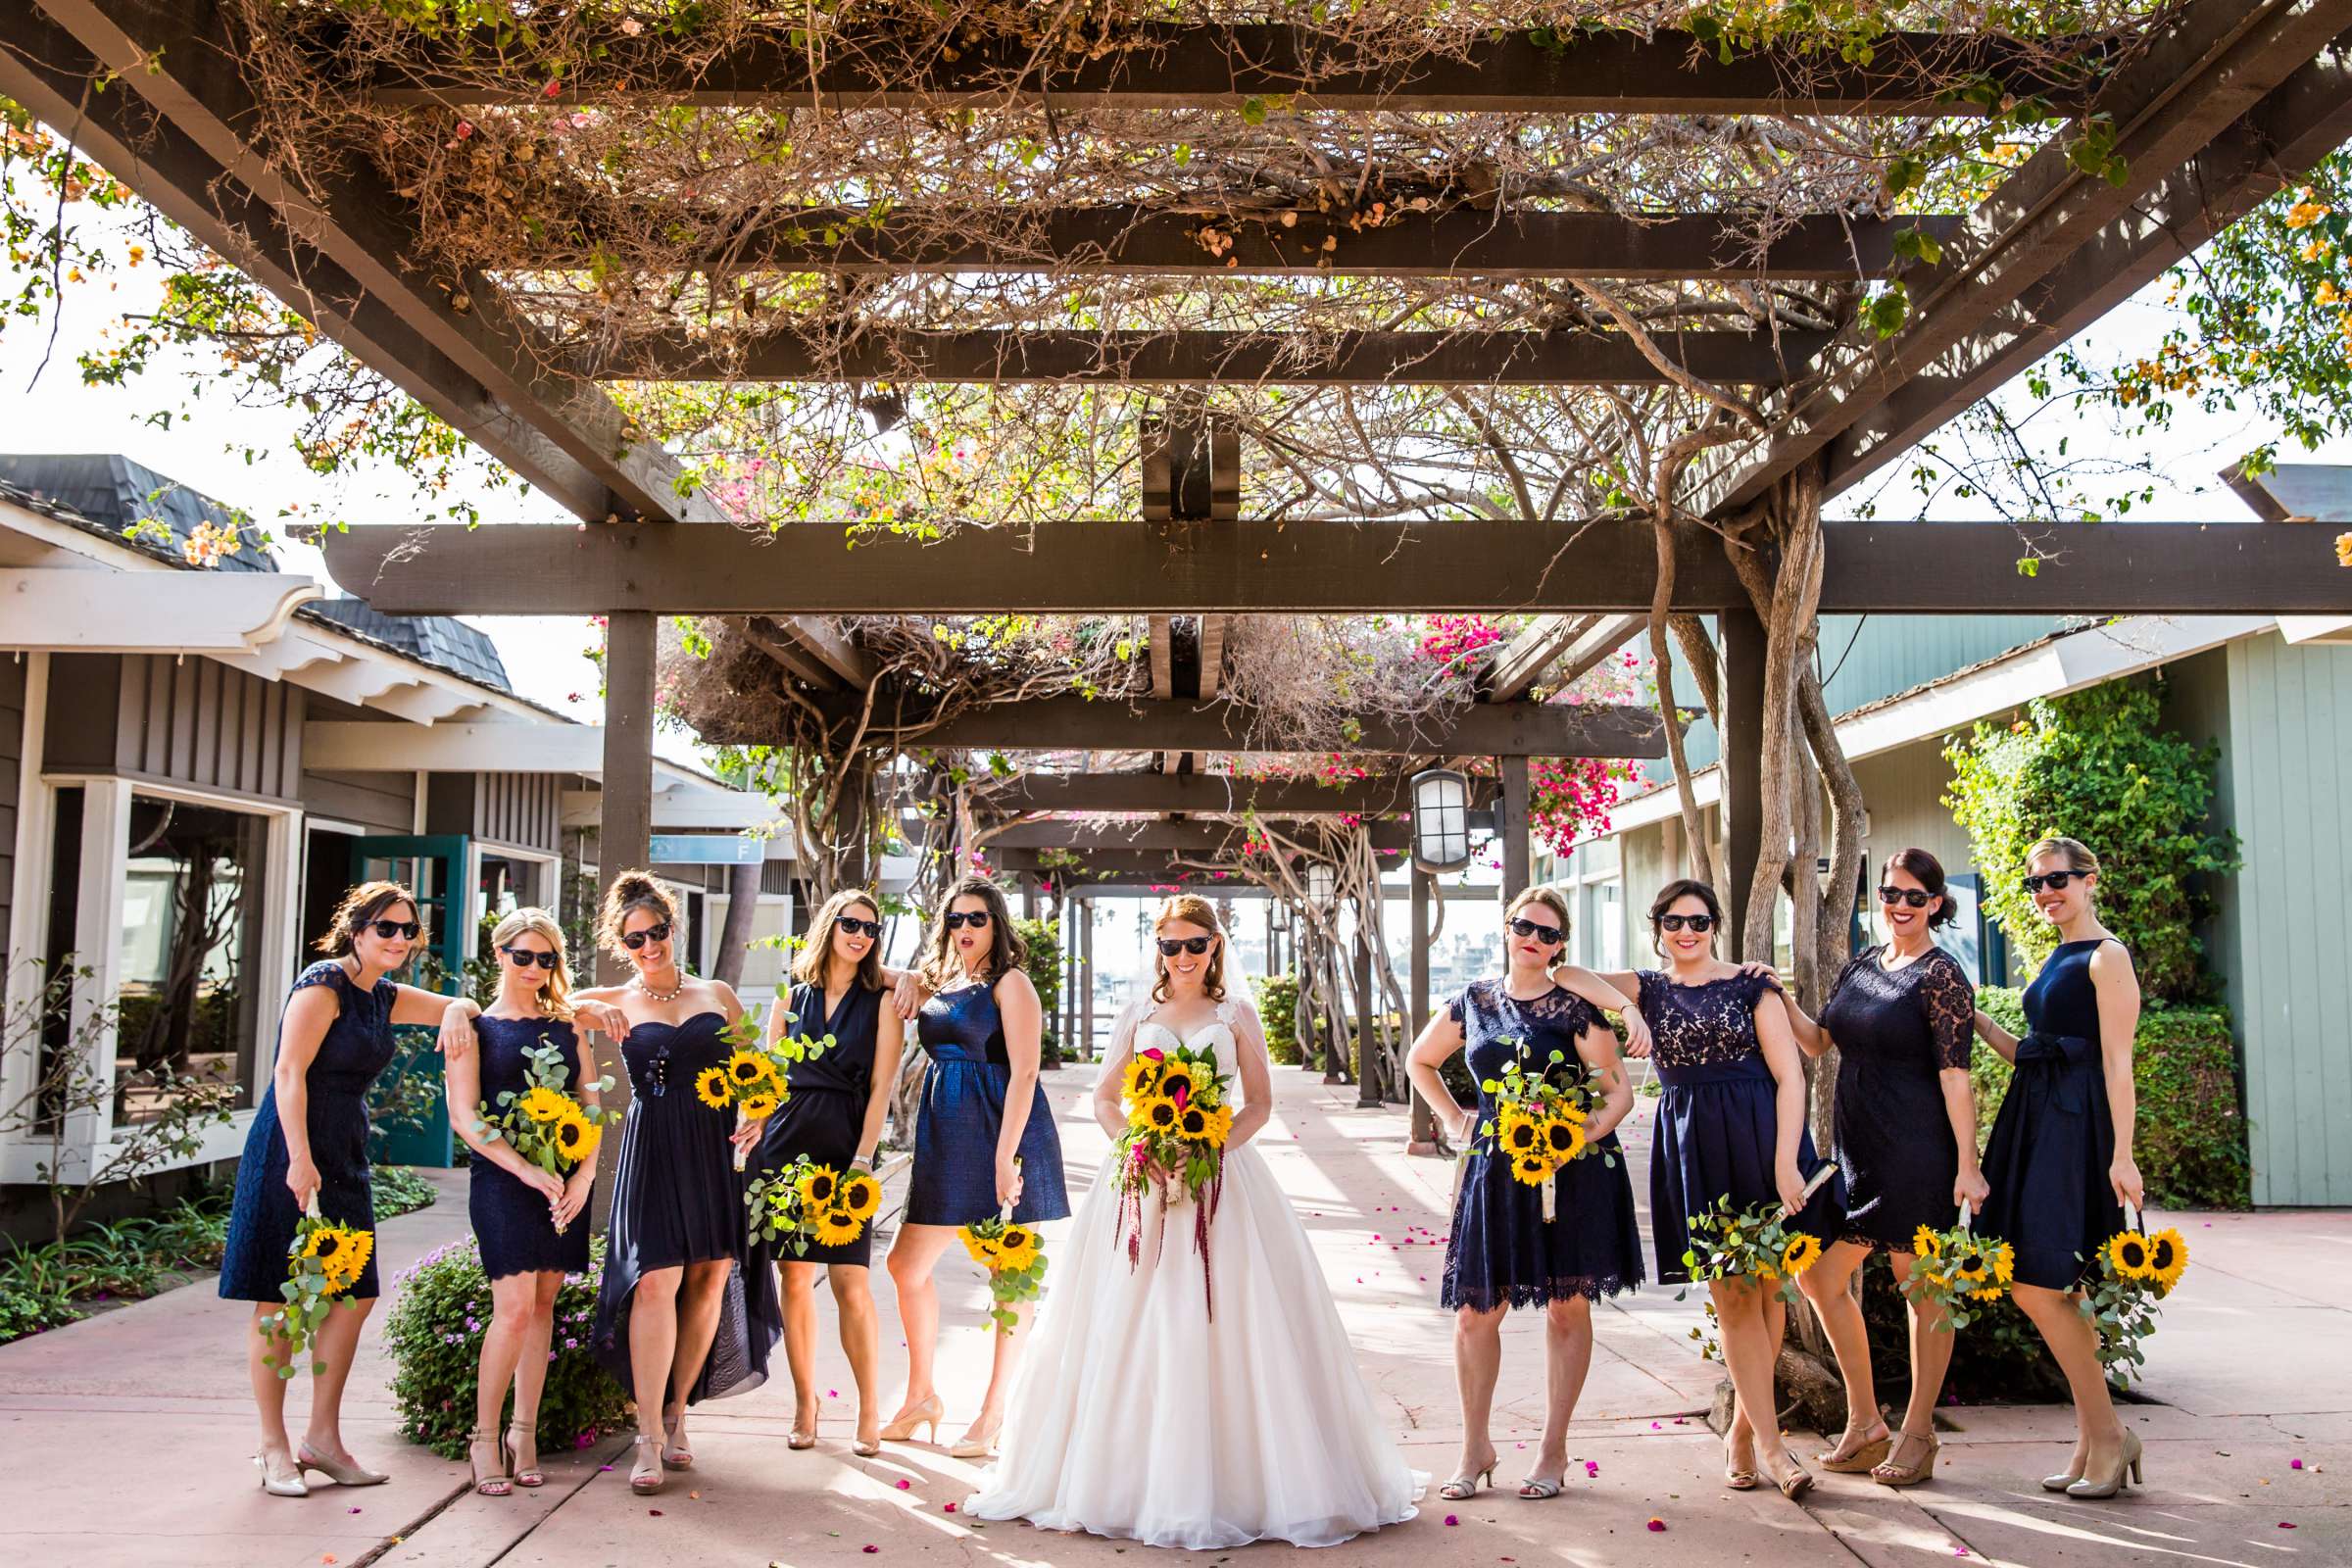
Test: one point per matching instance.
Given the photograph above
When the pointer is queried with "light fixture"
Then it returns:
(1440, 819)
(1322, 882)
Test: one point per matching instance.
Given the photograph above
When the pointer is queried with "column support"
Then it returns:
(1423, 1137)
(1742, 643)
(1515, 809)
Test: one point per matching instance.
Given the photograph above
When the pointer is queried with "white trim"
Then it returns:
(102, 611)
(28, 887)
(2315, 628)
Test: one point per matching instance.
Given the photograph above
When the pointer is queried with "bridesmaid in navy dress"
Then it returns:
(984, 1138)
(530, 1223)
(1731, 1124)
(1900, 1018)
(678, 1316)
(308, 1143)
(834, 1116)
(1501, 1251)
(2059, 1159)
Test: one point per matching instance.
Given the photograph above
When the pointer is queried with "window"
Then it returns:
(1609, 924)
(190, 978)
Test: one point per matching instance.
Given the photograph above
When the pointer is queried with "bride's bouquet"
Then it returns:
(1178, 1119)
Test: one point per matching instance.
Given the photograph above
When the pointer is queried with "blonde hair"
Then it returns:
(554, 986)
(809, 964)
(1193, 909)
(2077, 856)
(631, 891)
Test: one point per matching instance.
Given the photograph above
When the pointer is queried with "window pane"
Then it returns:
(190, 981)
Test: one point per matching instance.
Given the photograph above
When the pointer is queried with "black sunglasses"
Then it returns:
(652, 933)
(2052, 879)
(1169, 947)
(524, 958)
(1548, 935)
(1696, 923)
(388, 929)
(977, 919)
(1917, 897)
(857, 927)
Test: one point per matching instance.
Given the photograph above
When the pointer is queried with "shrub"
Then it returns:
(398, 1190)
(2190, 1140)
(42, 1286)
(439, 1313)
(1998, 1357)
(1278, 1012)
(2098, 766)
(1045, 970)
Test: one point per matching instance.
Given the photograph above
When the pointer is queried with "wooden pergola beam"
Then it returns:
(1468, 565)
(1129, 239)
(1567, 645)
(1214, 794)
(1190, 67)
(1340, 359)
(1090, 835)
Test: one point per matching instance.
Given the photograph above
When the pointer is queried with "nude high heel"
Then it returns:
(925, 1414)
(340, 1471)
(287, 1483)
(1464, 1487)
(498, 1484)
(644, 1475)
(534, 1476)
(1894, 1474)
(978, 1447)
(1865, 1456)
(676, 1455)
(2107, 1485)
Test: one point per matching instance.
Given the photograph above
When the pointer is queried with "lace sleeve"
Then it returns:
(1952, 1005)
(1123, 1028)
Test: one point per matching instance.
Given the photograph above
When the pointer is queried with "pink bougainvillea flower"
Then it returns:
(951, 1507)
(1657, 1524)
(1451, 1520)
(2294, 1464)
(905, 1484)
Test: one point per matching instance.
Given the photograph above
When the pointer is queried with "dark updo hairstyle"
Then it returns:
(363, 904)
(1927, 871)
(631, 891)
(1006, 951)
(1682, 887)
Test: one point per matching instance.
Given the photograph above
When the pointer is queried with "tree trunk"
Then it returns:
(743, 911)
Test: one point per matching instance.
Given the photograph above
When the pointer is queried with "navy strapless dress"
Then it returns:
(510, 1221)
(1897, 1033)
(1718, 1118)
(675, 1201)
(2053, 1139)
(954, 1176)
(827, 1108)
(1500, 1252)
(261, 1220)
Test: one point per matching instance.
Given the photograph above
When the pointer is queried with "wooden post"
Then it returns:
(1742, 643)
(625, 811)
(1086, 974)
(1423, 1137)
(1513, 813)
(1367, 1072)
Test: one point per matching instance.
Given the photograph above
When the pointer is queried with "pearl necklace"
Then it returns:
(658, 996)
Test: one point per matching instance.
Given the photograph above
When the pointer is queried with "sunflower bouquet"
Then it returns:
(1759, 1242)
(2132, 1272)
(544, 1122)
(1178, 1119)
(756, 1079)
(804, 1202)
(1539, 1121)
(1952, 1268)
(1015, 1257)
(323, 1263)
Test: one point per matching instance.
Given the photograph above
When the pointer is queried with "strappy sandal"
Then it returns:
(534, 1476)
(1538, 1489)
(1865, 1456)
(1734, 1477)
(676, 1455)
(644, 1475)
(1464, 1487)
(1896, 1474)
(501, 1485)
(1797, 1482)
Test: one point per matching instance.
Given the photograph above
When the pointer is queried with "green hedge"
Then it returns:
(1277, 1013)
(2190, 1140)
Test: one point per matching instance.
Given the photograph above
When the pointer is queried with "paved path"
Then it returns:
(126, 1436)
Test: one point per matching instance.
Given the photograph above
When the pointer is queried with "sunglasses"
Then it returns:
(2054, 880)
(977, 919)
(1917, 897)
(388, 929)
(652, 933)
(857, 927)
(1169, 947)
(1676, 922)
(524, 958)
(1548, 935)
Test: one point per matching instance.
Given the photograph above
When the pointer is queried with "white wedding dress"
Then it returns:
(1142, 1414)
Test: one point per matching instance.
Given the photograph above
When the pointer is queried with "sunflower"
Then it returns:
(835, 1227)
(543, 1104)
(1016, 1248)
(1800, 1254)
(1520, 1134)
(711, 1087)
(1142, 1076)
(342, 1253)
(1530, 1169)
(1972, 1269)
(1192, 1122)
(1175, 1076)
(861, 1194)
(2167, 1259)
(746, 1068)
(982, 1248)
(1159, 1115)
(1563, 1140)
(1220, 1126)
(576, 1137)
(817, 1186)
(2127, 1255)
(760, 1104)
(1570, 1108)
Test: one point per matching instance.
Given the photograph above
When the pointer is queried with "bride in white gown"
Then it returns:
(1145, 1414)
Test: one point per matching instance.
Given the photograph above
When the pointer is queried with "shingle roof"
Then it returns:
(435, 639)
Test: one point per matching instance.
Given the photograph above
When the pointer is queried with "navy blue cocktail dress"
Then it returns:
(1500, 1252)
(954, 1176)
(511, 1221)
(827, 1109)
(2053, 1139)
(1718, 1117)
(1897, 1032)
(357, 1048)
(676, 1200)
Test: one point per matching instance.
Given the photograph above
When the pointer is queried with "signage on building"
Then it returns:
(707, 849)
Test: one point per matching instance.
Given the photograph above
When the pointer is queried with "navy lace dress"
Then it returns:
(511, 1221)
(954, 1177)
(261, 1220)
(827, 1109)
(2054, 1138)
(676, 1200)
(1896, 1031)
(1500, 1252)
(1718, 1117)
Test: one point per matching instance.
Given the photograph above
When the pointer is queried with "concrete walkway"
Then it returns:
(126, 1436)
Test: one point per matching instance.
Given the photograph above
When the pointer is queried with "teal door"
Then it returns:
(436, 865)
